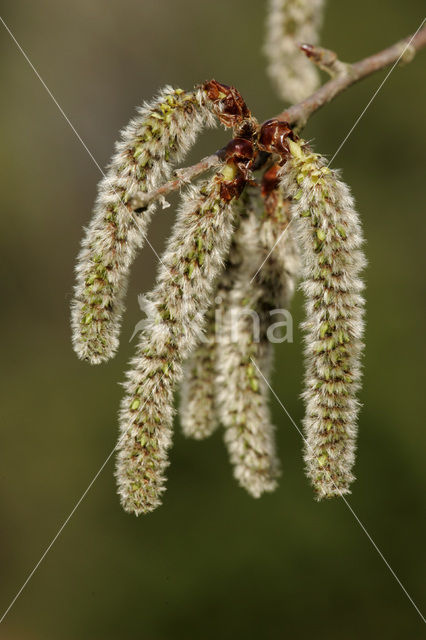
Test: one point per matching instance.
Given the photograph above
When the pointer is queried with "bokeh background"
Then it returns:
(212, 562)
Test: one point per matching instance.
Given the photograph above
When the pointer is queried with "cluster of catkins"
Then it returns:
(235, 247)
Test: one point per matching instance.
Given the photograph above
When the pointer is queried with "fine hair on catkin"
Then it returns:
(329, 234)
(176, 314)
(289, 24)
(158, 137)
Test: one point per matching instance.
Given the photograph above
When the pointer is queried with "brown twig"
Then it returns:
(325, 59)
(298, 114)
(182, 176)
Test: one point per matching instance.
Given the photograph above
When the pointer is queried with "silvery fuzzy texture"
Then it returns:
(290, 23)
(330, 237)
(280, 259)
(176, 314)
(242, 392)
(155, 139)
(198, 414)
(198, 407)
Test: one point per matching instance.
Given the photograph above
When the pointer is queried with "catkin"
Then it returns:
(198, 408)
(198, 414)
(155, 139)
(176, 313)
(329, 233)
(290, 23)
(280, 259)
(244, 349)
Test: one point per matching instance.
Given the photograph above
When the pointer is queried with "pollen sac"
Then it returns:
(228, 103)
(273, 137)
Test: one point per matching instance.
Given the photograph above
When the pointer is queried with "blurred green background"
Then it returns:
(212, 562)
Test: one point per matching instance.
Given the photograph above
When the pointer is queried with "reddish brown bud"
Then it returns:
(241, 152)
(273, 137)
(270, 180)
(232, 188)
(308, 50)
(239, 148)
(214, 90)
(228, 103)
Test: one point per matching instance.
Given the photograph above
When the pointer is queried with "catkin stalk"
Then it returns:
(329, 233)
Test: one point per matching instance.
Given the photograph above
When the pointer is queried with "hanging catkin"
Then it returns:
(155, 139)
(330, 237)
(176, 313)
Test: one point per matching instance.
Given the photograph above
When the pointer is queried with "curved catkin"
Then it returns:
(176, 312)
(243, 349)
(330, 237)
(198, 414)
(157, 137)
(290, 23)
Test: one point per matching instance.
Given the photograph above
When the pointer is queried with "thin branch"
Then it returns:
(298, 114)
(325, 59)
(181, 177)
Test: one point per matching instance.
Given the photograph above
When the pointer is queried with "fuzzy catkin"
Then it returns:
(280, 259)
(242, 393)
(176, 313)
(154, 140)
(290, 23)
(198, 414)
(330, 236)
(198, 407)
